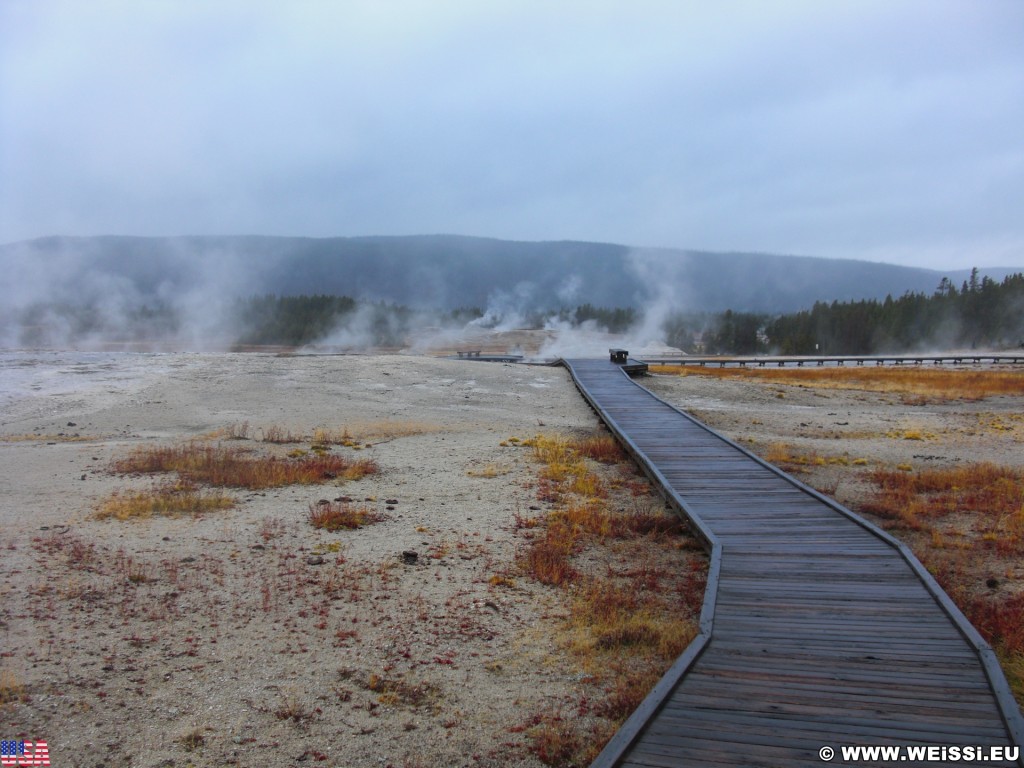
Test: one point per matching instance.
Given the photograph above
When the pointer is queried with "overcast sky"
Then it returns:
(888, 131)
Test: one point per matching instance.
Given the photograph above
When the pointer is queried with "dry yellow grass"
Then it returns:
(489, 470)
(389, 429)
(352, 435)
(166, 500)
(785, 455)
(338, 516)
(929, 383)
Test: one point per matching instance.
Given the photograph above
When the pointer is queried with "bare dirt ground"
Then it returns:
(247, 637)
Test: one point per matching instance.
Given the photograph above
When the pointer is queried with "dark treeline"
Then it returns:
(289, 320)
(980, 313)
(300, 320)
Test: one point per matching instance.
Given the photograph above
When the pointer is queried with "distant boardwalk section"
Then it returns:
(819, 631)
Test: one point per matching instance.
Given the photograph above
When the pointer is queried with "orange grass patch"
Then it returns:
(930, 383)
(602, 448)
(980, 508)
(992, 495)
(237, 468)
(624, 625)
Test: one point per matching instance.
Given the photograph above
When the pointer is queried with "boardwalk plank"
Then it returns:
(823, 629)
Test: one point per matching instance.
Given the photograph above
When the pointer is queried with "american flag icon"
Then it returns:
(24, 753)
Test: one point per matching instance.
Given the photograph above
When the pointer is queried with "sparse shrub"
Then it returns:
(11, 688)
(625, 695)
(293, 709)
(554, 740)
(603, 448)
(339, 516)
(400, 692)
(546, 558)
(193, 740)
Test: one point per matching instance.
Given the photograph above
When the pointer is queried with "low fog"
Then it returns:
(210, 300)
(445, 294)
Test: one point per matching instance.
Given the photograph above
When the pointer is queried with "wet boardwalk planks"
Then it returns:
(817, 629)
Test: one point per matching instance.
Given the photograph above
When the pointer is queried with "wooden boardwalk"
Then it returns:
(818, 628)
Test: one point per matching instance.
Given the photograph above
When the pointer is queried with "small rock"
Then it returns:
(323, 503)
(257, 547)
(390, 501)
(314, 560)
(409, 557)
(72, 424)
(992, 583)
(344, 499)
(189, 559)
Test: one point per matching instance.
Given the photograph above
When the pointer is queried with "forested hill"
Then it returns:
(444, 272)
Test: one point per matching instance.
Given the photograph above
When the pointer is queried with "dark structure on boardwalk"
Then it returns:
(818, 629)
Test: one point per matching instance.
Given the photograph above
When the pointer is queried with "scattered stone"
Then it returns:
(992, 583)
(409, 557)
(72, 424)
(257, 546)
(323, 503)
(344, 499)
(314, 560)
(188, 559)
(390, 501)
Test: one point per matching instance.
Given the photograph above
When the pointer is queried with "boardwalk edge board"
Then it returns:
(634, 725)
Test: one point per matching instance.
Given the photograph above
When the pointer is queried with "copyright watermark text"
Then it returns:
(950, 753)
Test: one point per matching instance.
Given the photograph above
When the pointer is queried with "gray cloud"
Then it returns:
(879, 130)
